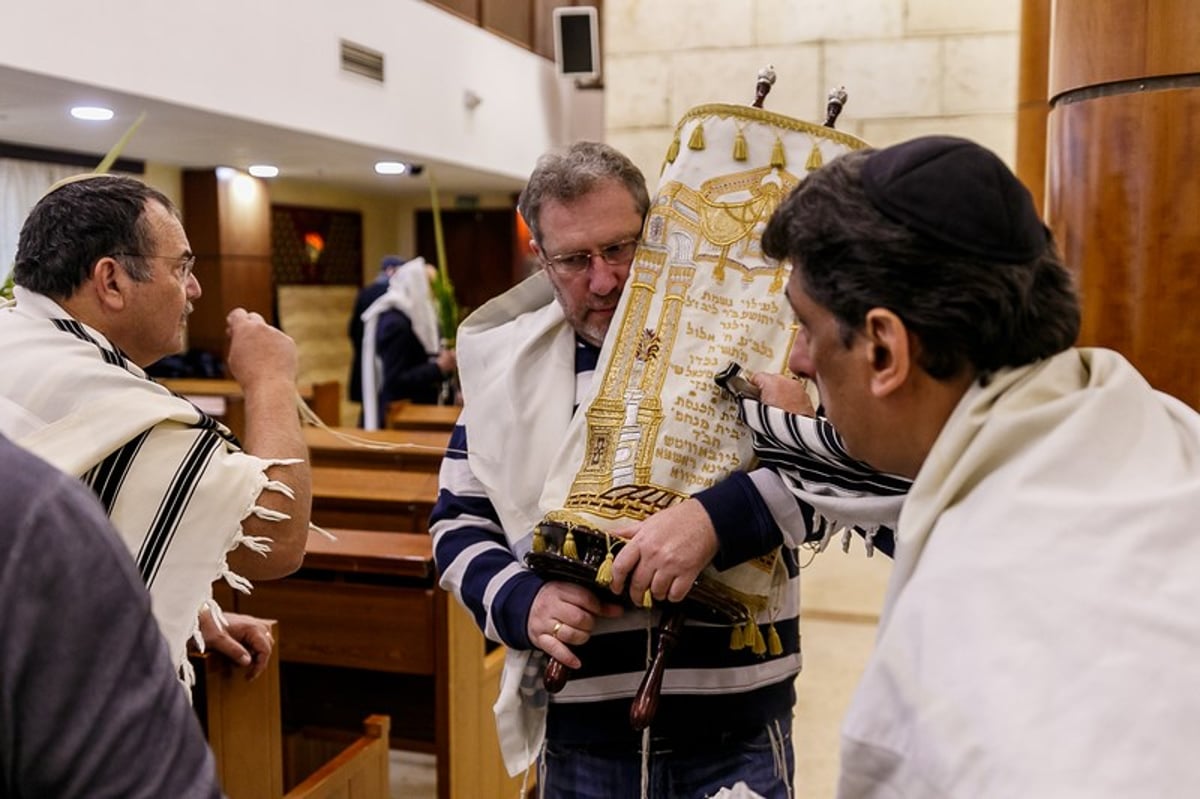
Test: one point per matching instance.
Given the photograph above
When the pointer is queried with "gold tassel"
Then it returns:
(815, 161)
(740, 151)
(778, 159)
(647, 599)
(748, 634)
(696, 141)
(539, 540)
(774, 645)
(604, 573)
(735, 639)
(760, 644)
(569, 550)
(673, 150)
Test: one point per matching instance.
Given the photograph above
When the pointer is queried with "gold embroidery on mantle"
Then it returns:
(717, 227)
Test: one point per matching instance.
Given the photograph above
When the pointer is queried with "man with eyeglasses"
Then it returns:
(526, 360)
(104, 285)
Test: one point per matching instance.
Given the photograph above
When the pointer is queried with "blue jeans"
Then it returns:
(765, 762)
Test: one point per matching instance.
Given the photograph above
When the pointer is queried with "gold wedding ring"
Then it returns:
(557, 627)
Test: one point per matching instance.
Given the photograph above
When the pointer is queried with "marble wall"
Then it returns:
(911, 67)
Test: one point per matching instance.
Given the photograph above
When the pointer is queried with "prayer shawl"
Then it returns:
(173, 481)
(408, 292)
(1040, 632)
(808, 455)
(516, 357)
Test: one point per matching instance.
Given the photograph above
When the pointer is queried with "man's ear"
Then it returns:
(890, 351)
(110, 284)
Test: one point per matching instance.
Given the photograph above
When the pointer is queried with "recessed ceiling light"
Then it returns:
(391, 168)
(263, 170)
(92, 113)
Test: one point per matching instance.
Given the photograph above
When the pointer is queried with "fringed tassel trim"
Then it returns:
(696, 140)
(740, 151)
(815, 159)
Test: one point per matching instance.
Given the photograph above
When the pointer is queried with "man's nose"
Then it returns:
(603, 277)
(798, 360)
(193, 290)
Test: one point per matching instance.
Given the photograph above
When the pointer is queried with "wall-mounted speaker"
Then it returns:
(577, 42)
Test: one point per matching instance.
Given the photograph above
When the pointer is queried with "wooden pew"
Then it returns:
(360, 771)
(405, 415)
(372, 498)
(424, 453)
(365, 629)
(223, 399)
(241, 719)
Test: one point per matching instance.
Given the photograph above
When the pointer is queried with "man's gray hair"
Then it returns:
(564, 177)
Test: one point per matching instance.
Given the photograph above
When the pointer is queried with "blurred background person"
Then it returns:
(401, 353)
(367, 295)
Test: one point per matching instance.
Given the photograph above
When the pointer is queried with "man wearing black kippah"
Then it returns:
(1038, 634)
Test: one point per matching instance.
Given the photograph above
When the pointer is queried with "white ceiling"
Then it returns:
(34, 112)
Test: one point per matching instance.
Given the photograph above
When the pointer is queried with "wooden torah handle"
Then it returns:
(555, 676)
(645, 701)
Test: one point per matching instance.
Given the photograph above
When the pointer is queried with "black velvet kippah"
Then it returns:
(958, 194)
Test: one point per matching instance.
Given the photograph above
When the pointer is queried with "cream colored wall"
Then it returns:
(911, 67)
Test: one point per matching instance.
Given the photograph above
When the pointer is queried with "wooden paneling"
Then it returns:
(480, 249)
(360, 626)
(467, 9)
(1033, 106)
(512, 19)
(229, 230)
(1121, 40)
(1122, 195)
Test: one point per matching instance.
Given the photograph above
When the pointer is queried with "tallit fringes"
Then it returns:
(846, 539)
(255, 543)
(815, 159)
(869, 541)
(696, 140)
(740, 151)
(778, 158)
(269, 514)
(673, 150)
(236, 581)
(187, 675)
(280, 487)
(322, 531)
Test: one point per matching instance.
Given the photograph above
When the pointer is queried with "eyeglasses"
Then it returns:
(186, 262)
(619, 253)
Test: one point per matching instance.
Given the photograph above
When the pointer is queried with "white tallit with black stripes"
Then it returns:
(174, 482)
(808, 455)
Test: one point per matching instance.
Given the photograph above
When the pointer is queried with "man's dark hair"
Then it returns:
(967, 310)
(564, 177)
(80, 222)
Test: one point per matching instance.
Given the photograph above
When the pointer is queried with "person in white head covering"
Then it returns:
(402, 356)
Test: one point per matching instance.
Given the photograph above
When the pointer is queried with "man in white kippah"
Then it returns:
(104, 285)
(1039, 633)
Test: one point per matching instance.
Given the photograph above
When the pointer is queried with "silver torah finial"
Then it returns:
(766, 79)
(835, 101)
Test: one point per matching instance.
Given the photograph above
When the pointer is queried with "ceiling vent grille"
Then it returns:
(362, 61)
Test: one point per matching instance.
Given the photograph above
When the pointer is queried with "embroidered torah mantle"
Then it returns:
(655, 427)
